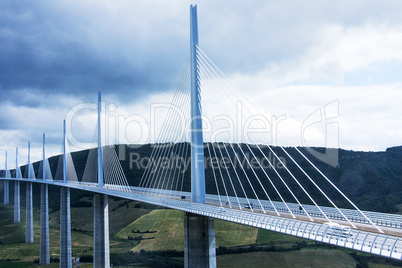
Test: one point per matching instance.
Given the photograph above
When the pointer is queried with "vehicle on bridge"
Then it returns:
(337, 230)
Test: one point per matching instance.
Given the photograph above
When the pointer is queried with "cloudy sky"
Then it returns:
(311, 62)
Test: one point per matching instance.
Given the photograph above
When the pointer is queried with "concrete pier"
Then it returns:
(29, 236)
(44, 257)
(101, 231)
(6, 193)
(65, 229)
(199, 241)
(17, 209)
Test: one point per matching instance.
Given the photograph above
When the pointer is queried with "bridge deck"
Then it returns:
(365, 238)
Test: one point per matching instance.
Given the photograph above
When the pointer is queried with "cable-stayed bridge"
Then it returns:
(212, 159)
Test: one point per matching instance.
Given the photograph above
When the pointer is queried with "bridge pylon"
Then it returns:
(17, 208)
(29, 235)
(100, 155)
(199, 231)
(44, 255)
(101, 208)
(65, 214)
(197, 141)
(6, 197)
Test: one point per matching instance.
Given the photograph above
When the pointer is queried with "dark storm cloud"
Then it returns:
(140, 47)
(62, 55)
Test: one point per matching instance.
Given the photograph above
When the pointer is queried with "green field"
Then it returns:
(169, 224)
(265, 236)
(296, 259)
(12, 235)
(6, 264)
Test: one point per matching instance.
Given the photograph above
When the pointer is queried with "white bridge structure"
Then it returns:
(267, 197)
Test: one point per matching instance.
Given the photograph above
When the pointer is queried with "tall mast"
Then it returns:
(100, 157)
(29, 160)
(197, 148)
(6, 167)
(17, 175)
(44, 159)
(64, 153)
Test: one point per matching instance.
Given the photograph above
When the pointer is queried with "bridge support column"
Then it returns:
(199, 241)
(44, 258)
(29, 236)
(17, 216)
(199, 231)
(6, 193)
(65, 228)
(101, 231)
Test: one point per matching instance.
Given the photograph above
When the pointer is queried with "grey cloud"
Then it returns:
(60, 55)
(246, 38)
(70, 47)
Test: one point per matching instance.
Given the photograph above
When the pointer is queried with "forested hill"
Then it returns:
(370, 179)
